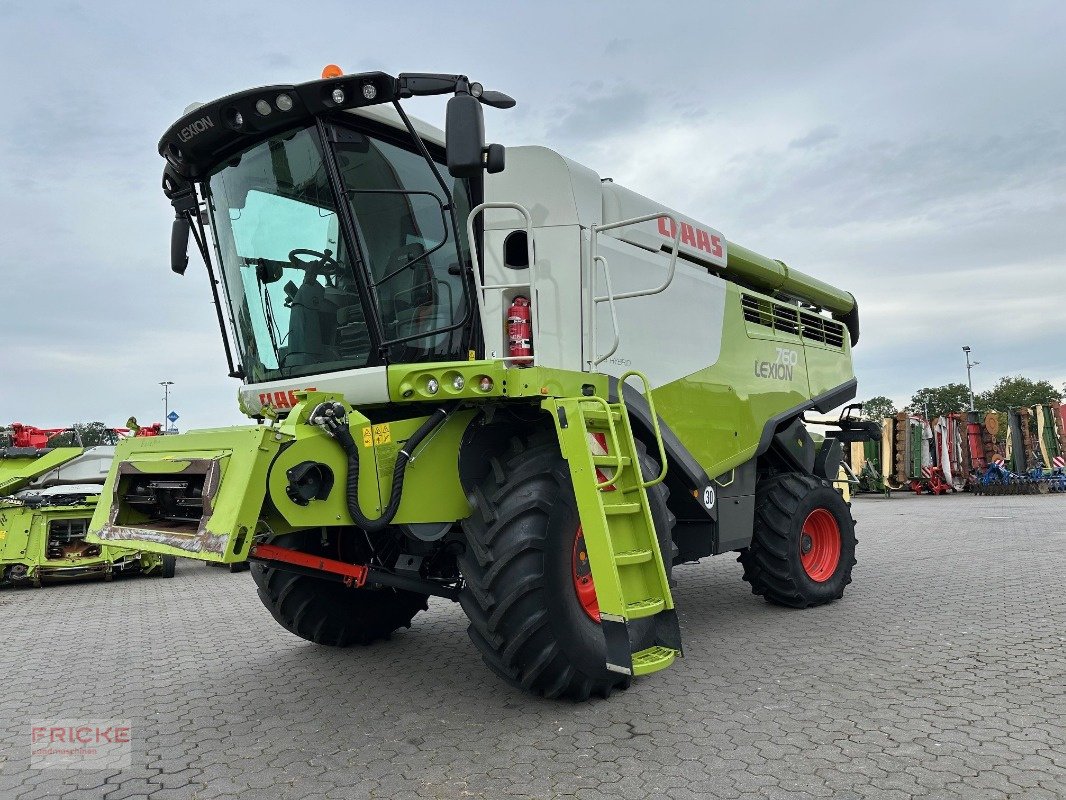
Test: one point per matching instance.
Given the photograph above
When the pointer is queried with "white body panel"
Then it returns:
(91, 466)
(366, 386)
(565, 199)
(667, 335)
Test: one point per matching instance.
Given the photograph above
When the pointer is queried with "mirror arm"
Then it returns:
(424, 151)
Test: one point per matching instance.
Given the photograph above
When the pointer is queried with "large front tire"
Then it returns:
(328, 612)
(521, 594)
(803, 547)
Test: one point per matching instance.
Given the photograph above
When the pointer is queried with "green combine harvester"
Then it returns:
(50, 482)
(491, 377)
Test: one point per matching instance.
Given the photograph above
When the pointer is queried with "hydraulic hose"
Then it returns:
(332, 421)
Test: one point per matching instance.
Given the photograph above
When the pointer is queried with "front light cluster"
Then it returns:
(450, 384)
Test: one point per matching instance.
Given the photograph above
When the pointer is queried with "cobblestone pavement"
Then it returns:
(942, 673)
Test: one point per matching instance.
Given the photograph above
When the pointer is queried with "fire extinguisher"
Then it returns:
(520, 332)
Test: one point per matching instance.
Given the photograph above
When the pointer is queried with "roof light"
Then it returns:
(331, 71)
(263, 107)
(284, 102)
(338, 96)
(369, 91)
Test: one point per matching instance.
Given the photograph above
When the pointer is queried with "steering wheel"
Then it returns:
(320, 264)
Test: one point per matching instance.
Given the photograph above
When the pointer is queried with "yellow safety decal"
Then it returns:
(377, 435)
(382, 434)
(3, 535)
(471, 355)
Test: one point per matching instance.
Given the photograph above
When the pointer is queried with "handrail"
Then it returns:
(482, 288)
(614, 315)
(594, 257)
(654, 421)
(595, 229)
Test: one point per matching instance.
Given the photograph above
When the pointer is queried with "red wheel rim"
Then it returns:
(584, 587)
(820, 545)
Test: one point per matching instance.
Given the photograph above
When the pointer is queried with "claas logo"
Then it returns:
(282, 399)
(692, 236)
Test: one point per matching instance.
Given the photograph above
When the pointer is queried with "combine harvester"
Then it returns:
(441, 356)
(49, 486)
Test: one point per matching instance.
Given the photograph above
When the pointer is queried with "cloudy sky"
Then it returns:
(913, 153)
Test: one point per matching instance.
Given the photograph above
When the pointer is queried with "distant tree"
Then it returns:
(936, 401)
(877, 408)
(1015, 392)
(84, 434)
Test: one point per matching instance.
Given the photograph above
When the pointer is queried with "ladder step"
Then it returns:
(653, 659)
(621, 508)
(593, 415)
(645, 608)
(611, 461)
(632, 557)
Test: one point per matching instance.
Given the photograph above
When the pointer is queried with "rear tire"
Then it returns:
(328, 612)
(520, 595)
(803, 547)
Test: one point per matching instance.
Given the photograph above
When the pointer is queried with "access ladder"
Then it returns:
(619, 531)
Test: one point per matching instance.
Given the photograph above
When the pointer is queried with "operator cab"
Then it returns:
(340, 234)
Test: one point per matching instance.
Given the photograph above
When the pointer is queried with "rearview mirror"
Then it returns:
(179, 244)
(464, 133)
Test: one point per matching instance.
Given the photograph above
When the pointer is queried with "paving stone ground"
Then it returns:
(942, 673)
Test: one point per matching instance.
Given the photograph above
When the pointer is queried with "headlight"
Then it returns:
(369, 91)
(458, 383)
(485, 384)
(432, 386)
(338, 96)
(284, 102)
(263, 107)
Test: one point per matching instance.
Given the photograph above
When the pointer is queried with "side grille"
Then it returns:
(782, 318)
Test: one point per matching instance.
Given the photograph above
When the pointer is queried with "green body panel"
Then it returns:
(245, 488)
(407, 382)
(24, 536)
(17, 471)
(719, 412)
(234, 463)
(432, 491)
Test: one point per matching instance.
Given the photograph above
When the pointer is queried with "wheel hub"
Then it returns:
(819, 545)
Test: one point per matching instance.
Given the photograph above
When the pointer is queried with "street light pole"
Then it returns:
(166, 402)
(969, 366)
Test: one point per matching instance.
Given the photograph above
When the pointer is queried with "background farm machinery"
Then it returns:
(1020, 451)
(50, 482)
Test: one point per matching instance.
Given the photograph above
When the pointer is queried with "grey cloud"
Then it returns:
(817, 136)
(909, 155)
(596, 114)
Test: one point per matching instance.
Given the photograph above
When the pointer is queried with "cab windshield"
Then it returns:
(292, 277)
